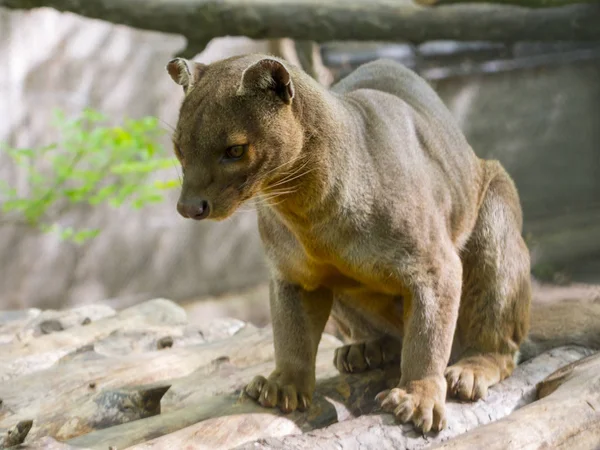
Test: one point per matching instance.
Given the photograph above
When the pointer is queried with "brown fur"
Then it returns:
(372, 207)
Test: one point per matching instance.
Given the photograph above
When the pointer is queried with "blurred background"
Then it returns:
(89, 185)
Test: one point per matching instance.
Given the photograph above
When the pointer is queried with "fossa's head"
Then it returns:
(236, 131)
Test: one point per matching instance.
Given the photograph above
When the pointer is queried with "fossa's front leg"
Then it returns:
(430, 320)
(298, 319)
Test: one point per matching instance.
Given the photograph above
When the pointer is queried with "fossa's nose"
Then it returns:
(197, 210)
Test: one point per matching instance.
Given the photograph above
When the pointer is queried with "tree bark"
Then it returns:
(315, 20)
(523, 3)
(15, 435)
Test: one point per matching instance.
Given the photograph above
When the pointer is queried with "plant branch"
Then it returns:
(523, 3)
(376, 20)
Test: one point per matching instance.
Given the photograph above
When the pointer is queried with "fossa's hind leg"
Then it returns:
(368, 348)
(494, 311)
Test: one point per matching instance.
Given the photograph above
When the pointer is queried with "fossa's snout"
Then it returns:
(193, 209)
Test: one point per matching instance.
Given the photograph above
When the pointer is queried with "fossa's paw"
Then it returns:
(421, 402)
(288, 392)
(362, 356)
(470, 378)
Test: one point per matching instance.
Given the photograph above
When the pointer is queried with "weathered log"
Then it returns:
(15, 435)
(47, 443)
(157, 337)
(228, 377)
(523, 3)
(557, 378)
(42, 352)
(23, 326)
(104, 409)
(12, 322)
(380, 432)
(207, 424)
(315, 20)
(567, 417)
(76, 382)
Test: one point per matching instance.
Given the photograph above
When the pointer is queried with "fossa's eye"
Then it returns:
(235, 152)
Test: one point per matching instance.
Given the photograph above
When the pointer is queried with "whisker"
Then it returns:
(167, 124)
(295, 177)
(297, 158)
(178, 173)
(291, 173)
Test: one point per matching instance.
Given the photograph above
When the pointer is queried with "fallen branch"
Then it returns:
(523, 3)
(315, 20)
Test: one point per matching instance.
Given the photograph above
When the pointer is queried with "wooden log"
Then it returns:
(227, 377)
(105, 409)
(68, 385)
(15, 435)
(523, 3)
(29, 324)
(566, 417)
(42, 352)
(149, 338)
(553, 381)
(374, 20)
(47, 443)
(223, 421)
(380, 431)
(12, 322)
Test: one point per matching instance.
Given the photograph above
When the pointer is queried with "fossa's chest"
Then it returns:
(328, 257)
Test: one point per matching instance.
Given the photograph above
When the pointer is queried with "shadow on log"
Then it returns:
(15, 435)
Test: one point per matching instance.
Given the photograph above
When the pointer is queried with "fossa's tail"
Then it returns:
(569, 322)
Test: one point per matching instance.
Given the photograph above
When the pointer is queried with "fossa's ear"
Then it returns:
(185, 73)
(268, 75)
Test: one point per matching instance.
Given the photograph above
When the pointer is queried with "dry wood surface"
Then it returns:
(146, 378)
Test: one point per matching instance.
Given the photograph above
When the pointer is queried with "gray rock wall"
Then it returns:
(52, 60)
(534, 107)
(543, 124)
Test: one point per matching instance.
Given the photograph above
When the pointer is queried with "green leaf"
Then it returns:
(92, 162)
(102, 194)
(17, 204)
(169, 184)
(66, 233)
(7, 190)
(82, 236)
